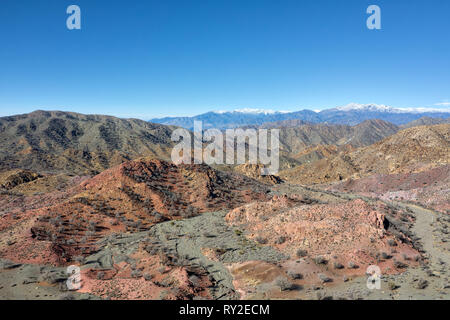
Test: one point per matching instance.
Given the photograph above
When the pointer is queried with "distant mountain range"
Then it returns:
(351, 114)
(67, 142)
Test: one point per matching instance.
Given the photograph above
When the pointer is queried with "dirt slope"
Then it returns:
(410, 150)
(67, 142)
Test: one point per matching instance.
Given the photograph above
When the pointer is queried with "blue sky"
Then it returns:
(154, 58)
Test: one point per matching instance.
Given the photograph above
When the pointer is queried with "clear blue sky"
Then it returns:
(153, 58)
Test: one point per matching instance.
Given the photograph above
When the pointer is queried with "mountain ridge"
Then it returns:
(409, 150)
(350, 114)
(49, 141)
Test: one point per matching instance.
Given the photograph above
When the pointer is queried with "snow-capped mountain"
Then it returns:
(366, 107)
(351, 114)
(252, 111)
(383, 108)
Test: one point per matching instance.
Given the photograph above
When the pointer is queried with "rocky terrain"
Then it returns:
(254, 171)
(425, 121)
(67, 142)
(149, 229)
(408, 151)
(429, 188)
(294, 138)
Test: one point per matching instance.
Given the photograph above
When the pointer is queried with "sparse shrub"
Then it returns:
(422, 284)
(283, 283)
(338, 265)
(194, 280)
(10, 242)
(295, 275)
(391, 243)
(399, 264)
(261, 240)
(280, 240)
(101, 275)
(320, 260)
(79, 259)
(385, 255)
(163, 295)
(352, 265)
(301, 253)
(207, 234)
(320, 295)
(392, 285)
(136, 274)
(162, 269)
(148, 276)
(66, 296)
(324, 278)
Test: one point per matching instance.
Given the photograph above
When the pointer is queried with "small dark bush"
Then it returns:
(295, 275)
(399, 265)
(136, 274)
(422, 284)
(302, 253)
(385, 255)
(148, 277)
(261, 240)
(320, 260)
(324, 278)
(338, 265)
(391, 243)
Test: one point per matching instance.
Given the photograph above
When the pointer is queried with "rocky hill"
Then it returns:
(296, 138)
(302, 142)
(254, 171)
(54, 141)
(425, 121)
(410, 150)
(429, 188)
(13, 178)
(132, 197)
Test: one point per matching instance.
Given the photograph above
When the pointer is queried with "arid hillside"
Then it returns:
(302, 142)
(410, 150)
(254, 171)
(325, 242)
(131, 197)
(149, 229)
(67, 142)
(425, 121)
(429, 188)
(295, 136)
